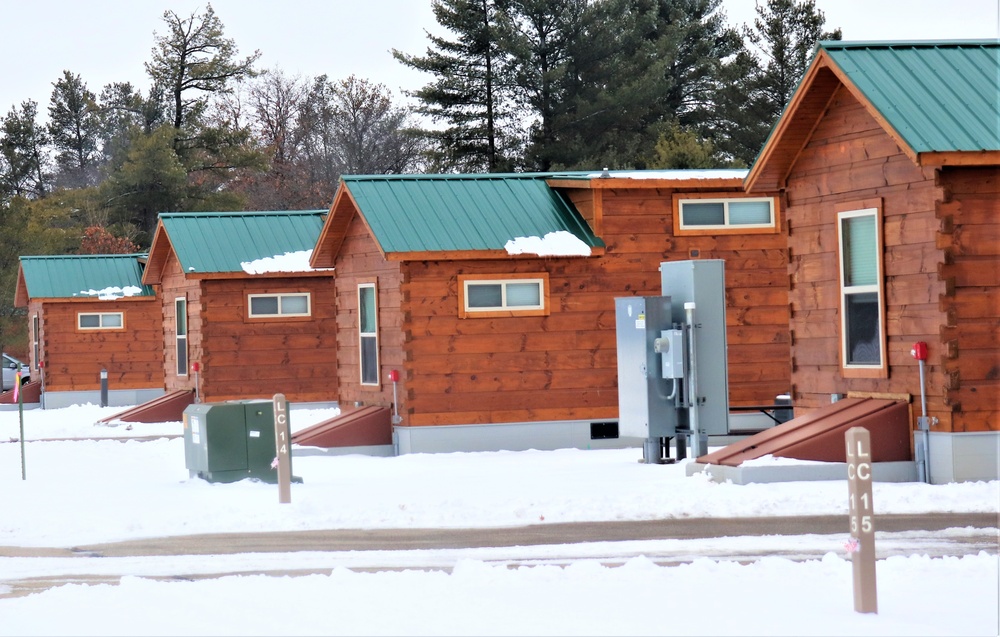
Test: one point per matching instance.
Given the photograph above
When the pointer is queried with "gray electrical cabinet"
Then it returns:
(702, 282)
(644, 407)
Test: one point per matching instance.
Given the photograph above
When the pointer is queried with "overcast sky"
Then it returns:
(105, 41)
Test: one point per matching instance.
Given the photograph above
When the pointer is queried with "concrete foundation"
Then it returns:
(964, 456)
(519, 436)
(881, 472)
(116, 397)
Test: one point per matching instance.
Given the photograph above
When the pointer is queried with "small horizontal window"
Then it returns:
(503, 296)
(697, 215)
(279, 305)
(100, 321)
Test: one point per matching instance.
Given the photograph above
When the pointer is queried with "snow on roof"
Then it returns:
(113, 292)
(674, 175)
(559, 243)
(287, 262)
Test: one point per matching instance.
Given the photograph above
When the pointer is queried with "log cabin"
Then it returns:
(491, 298)
(887, 158)
(243, 314)
(89, 314)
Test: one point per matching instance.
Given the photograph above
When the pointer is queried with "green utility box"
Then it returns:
(230, 441)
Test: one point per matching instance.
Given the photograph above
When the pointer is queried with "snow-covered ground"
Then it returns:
(79, 492)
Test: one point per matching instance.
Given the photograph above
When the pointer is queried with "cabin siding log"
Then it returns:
(73, 361)
(941, 243)
(563, 365)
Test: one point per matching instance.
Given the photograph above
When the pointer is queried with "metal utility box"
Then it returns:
(702, 282)
(644, 410)
(226, 442)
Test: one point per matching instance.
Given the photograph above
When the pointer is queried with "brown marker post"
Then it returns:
(283, 445)
(861, 511)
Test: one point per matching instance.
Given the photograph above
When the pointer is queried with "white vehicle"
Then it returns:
(10, 367)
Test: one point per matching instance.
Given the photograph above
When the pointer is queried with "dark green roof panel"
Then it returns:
(940, 96)
(423, 213)
(104, 276)
(209, 242)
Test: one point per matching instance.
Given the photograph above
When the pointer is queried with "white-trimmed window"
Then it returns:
(503, 295)
(181, 332)
(862, 314)
(368, 333)
(35, 340)
(279, 305)
(100, 320)
(719, 214)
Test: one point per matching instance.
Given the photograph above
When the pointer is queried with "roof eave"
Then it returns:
(482, 255)
(960, 158)
(334, 230)
(21, 296)
(620, 183)
(160, 249)
(764, 174)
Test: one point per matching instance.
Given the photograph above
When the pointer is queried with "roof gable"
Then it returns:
(939, 100)
(211, 243)
(412, 216)
(97, 276)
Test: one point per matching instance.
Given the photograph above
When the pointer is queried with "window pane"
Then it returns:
(260, 305)
(523, 295)
(860, 251)
(369, 360)
(181, 317)
(111, 320)
(182, 356)
(484, 295)
(366, 309)
(743, 213)
(863, 341)
(295, 304)
(703, 214)
(90, 320)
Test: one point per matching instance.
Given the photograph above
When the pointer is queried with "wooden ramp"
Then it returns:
(167, 408)
(819, 435)
(357, 427)
(30, 393)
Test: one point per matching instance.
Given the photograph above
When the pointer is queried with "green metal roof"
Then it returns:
(432, 213)
(208, 242)
(939, 95)
(104, 276)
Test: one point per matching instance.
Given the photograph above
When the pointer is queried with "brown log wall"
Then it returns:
(242, 359)
(849, 158)
(172, 286)
(970, 240)
(259, 358)
(561, 366)
(133, 356)
(360, 261)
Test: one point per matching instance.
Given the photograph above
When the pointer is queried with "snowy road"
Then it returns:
(29, 570)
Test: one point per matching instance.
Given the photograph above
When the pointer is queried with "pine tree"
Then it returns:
(638, 66)
(471, 94)
(24, 147)
(785, 34)
(151, 180)
(124, 113)
(193, 61)
(764, 76)
(607, 93)
(74, 129)
(541, 44)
